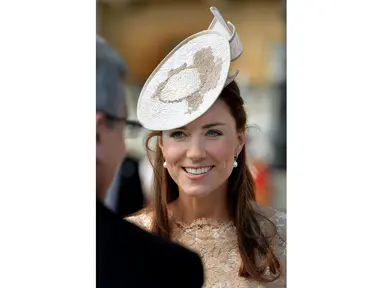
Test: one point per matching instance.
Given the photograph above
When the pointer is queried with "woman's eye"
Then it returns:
(177, 134)
(213, 133)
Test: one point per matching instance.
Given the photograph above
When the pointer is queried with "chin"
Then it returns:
(198, 192)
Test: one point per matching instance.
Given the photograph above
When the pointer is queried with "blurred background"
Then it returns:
(145, 31)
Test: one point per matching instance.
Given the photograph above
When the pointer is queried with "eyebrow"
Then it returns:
(206, 126)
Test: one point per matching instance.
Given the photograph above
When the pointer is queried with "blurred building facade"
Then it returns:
(145, 31)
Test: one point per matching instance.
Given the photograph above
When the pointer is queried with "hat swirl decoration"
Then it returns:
(190, 78)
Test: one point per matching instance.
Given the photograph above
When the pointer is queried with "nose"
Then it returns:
(196, 151)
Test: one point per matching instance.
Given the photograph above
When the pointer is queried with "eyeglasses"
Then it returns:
(132, 127)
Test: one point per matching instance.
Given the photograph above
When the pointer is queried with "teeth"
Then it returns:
(197, 171)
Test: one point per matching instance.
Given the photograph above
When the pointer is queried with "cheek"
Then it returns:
(173, 153)
(222, 152)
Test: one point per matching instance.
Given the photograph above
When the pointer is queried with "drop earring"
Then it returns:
(235, 165)
(165, 164)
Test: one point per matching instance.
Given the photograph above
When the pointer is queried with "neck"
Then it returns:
(214, 206)
(100, 192)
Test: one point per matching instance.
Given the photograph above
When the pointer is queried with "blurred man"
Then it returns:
(127, 256)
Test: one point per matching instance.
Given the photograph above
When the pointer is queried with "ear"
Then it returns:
(161, 143)
(100, 130)
(241, 142)
(100, 126)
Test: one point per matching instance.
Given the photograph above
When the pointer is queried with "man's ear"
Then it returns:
(100, 136)
(100, 126)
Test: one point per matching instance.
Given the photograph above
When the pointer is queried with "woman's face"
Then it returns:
(200, 156)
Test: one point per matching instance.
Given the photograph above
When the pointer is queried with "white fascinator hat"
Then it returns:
(190, 78)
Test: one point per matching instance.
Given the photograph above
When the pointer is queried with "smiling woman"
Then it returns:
(204, 150)
(203, 186)
(204, 191)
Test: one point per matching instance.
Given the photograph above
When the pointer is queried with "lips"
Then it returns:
(198, 170)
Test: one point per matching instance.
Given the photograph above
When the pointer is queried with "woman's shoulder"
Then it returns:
(280, 246)
(142, 218)
(274, 215)
(269, 212)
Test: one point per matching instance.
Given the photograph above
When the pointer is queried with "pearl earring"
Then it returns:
(235, 165)
(165, 164)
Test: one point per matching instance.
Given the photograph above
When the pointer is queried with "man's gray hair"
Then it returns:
(110, 71)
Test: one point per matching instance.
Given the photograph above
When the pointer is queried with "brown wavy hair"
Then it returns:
(255, 247)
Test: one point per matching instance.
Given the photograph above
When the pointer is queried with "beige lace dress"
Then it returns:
(216, 243)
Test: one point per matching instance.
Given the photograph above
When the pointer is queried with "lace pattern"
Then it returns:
(216, 243)
(201, 76)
